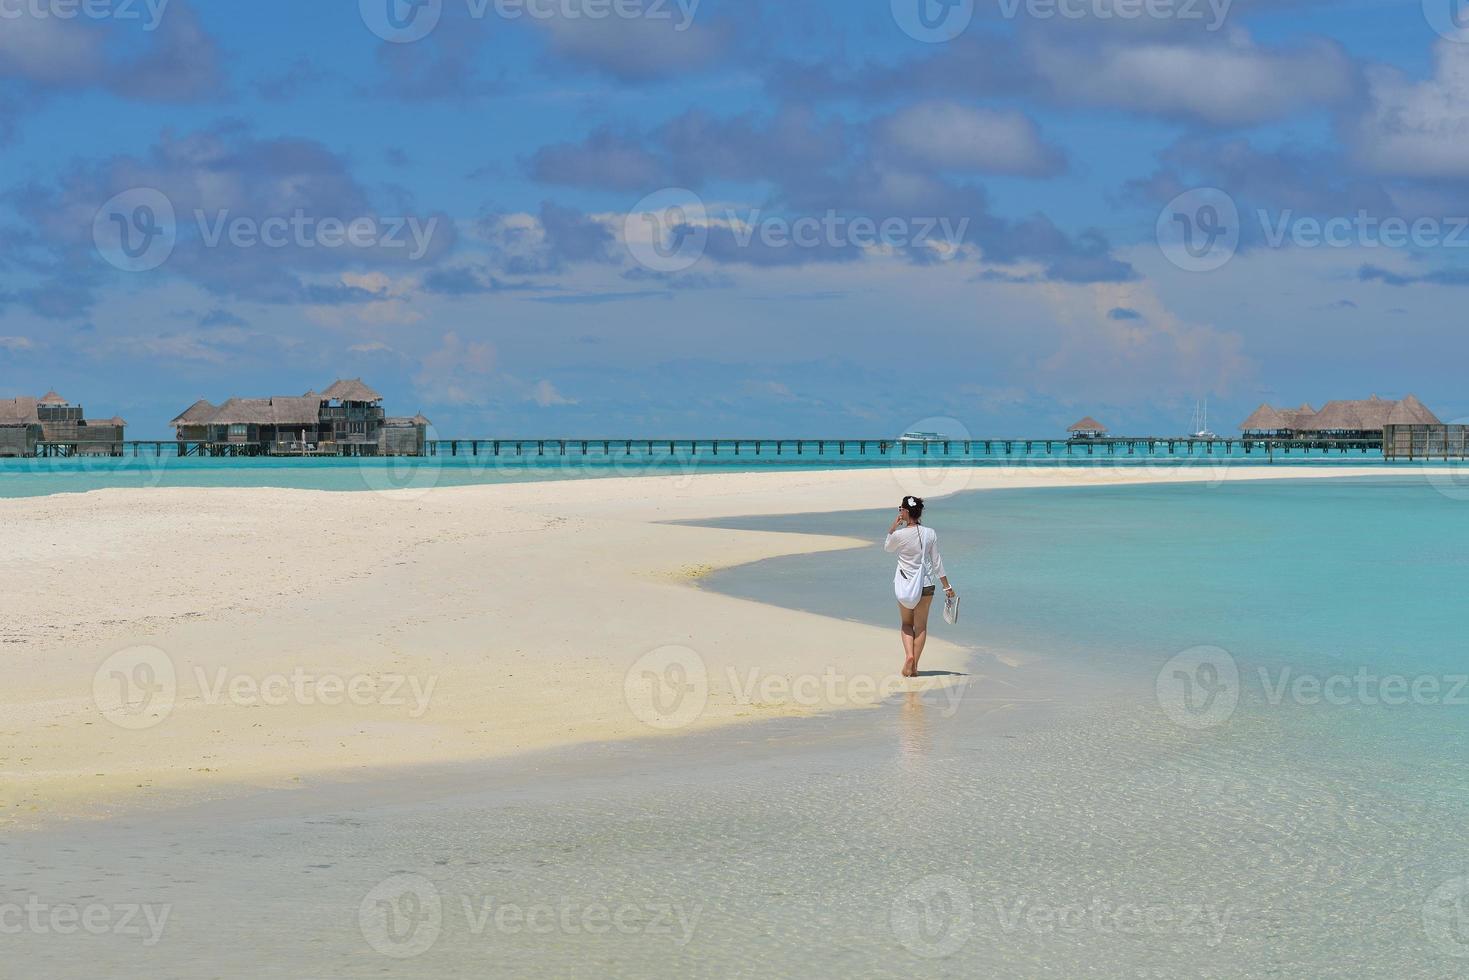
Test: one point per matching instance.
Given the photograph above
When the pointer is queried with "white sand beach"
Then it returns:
(344, 635)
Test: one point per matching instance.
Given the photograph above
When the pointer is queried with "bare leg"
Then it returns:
(910, 662)
(920, 630)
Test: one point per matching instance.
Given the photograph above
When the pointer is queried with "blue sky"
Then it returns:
(880, 224)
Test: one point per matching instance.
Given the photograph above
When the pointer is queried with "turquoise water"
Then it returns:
(1159, 830)
(1321, 573)
(524, 462)
(1339, 604)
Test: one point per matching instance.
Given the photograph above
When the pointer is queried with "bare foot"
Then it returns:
(910, 669)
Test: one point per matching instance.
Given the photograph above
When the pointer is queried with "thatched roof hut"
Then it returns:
(1363, 415)
(295, 411)
(198, 413)
(1088, 427)
(1296, 419)
(281, 410)
(351, 391)
(1374, 412)
(1336, 416)
(52, 398)
(1410, 411)
(1265, 419)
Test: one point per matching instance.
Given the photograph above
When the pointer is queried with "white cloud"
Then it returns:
(946, 136)
(1417, 129)
(49, 50)
(1230, 84)
(545, 395)
(459, 372)
(14, 344)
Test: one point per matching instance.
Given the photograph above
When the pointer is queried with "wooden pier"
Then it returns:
(1403, 446)
(954, 450)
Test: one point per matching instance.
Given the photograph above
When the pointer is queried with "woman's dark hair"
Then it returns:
(914, 507)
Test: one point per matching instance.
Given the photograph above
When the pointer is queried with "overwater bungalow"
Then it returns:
(347, 419)
(52, 426)
(1363, 419)
(1088, 428)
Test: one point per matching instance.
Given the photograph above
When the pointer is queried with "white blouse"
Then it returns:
(904, 543)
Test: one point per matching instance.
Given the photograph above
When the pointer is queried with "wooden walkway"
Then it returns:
(976, 449)
(973, 450)
(954, 450)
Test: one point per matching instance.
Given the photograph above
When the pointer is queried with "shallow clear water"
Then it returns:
(1328, 573)
(1149, 833)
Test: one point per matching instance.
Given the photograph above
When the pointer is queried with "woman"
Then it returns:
(917, 548)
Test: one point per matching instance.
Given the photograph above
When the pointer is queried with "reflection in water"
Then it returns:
(915, 740)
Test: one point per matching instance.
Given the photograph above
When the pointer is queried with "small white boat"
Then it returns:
(1201, 422)
(923, 437)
